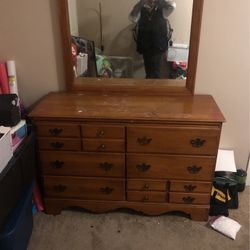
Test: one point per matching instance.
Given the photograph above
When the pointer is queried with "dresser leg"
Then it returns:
(200, 214)
(52, 209)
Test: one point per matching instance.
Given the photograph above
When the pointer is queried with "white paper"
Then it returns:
(225, 161)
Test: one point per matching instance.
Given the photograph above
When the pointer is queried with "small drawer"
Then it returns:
(147, 196)
(59, 144)
(189, 198)
(84, 188)
(147, 185)
(149, 166)
(177, 140)
(58, 130)
(82, 164)
(190, 186)
(106, 131)
(103, 145)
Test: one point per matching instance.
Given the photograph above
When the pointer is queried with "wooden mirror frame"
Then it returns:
(145, 86)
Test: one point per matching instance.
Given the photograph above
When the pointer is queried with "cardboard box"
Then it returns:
(6, 151)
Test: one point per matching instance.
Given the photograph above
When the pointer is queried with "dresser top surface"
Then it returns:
(127, 108)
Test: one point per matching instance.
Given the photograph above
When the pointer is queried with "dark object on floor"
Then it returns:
(10, 113)
(224, 195)
(17, 232)
(240, 177)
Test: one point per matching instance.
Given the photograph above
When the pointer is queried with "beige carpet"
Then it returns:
(79, 230)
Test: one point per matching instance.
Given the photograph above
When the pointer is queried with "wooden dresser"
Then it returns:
(152, 154)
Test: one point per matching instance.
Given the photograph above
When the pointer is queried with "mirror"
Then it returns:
(98, 44)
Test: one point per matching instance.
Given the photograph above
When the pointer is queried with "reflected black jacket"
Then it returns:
(152, 31)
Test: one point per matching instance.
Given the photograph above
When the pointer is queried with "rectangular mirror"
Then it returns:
(149, 45)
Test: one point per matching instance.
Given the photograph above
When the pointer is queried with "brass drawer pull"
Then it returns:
(144, 140)
(145, 198)
(56, 145)
(146, 187)
(60, 188)
(197, 143)
(57, 164)
(106, 166)
(101, 133)
(194, 169)
(189, 188)
(188, 199)
(143, 167)
(106, 190)
(55, 131)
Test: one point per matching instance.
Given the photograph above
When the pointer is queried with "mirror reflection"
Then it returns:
(130, 38)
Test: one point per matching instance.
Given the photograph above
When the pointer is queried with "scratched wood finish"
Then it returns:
(128, 108)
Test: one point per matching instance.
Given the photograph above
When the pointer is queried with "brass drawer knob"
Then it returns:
(55, 131)
(106, 166)
(146, 187)
(189, 188)
(102, 147)
(145, 198)
(188, 200)
(106, 190)
(194, 169)
(101, 133)
(57, 145)
(144, 140)
(143, 167)
(197, 143)
(57, 164)
(60, 188)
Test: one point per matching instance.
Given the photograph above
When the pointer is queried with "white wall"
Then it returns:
(223, 69)
(32, 39)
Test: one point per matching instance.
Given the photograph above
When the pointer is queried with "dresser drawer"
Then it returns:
(67, 144)
(82, 164)
(105, 131)
(84, 188)
(190, 186)
(176, 140)
(147, 185)
(58, 130)
(103, 145)
(189, 198)
(150, 166)
(147, 196)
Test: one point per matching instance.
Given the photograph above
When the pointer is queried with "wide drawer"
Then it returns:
(58, 129)
(65, 144)
(105, 131)
(84, 188)
(148, 166)
(147, 196)
(82, 164)
(189, 198)
(103, 145)
(190, 186)
(176, 140)
(147, 185)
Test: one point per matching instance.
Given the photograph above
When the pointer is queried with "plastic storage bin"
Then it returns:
(16, 234)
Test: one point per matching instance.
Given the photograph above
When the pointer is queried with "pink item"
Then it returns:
(4, 82)
(37, 197)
